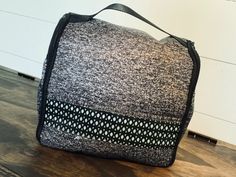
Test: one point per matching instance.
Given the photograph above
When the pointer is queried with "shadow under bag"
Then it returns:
(116, 92)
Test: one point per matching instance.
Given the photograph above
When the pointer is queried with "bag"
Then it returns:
(116, 92)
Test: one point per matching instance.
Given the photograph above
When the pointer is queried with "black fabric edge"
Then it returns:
(71, 17)
(49, 66)
(193, 82)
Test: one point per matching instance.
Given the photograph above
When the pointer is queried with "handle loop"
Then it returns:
(126, 9)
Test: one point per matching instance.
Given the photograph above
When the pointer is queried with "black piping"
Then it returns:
(49, 66)
(193, 82)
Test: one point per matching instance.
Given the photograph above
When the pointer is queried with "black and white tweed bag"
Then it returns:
(116, 92)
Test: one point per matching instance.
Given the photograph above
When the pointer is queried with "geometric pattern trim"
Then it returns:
(113, 128)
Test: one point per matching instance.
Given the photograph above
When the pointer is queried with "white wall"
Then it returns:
(27, 27)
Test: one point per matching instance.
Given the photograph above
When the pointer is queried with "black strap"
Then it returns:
(125, 9)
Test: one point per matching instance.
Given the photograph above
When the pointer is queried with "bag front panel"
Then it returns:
(119, 72)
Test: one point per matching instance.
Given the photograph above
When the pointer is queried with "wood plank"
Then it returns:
(6, 172)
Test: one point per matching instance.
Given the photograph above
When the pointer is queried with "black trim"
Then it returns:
(49, 66)
(26, 76)
(70, 17)
(195, 73)
(203, 138)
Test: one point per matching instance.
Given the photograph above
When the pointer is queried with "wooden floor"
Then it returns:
(21, 155)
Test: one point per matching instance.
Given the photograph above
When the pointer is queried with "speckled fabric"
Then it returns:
(105, 67)
(120, 70)
(63, 140)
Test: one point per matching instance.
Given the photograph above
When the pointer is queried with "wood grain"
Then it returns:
(21, 155)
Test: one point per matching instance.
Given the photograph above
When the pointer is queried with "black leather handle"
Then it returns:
(126, 9)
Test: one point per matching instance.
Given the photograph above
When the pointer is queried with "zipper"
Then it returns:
(49, 66)
(195, 74)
